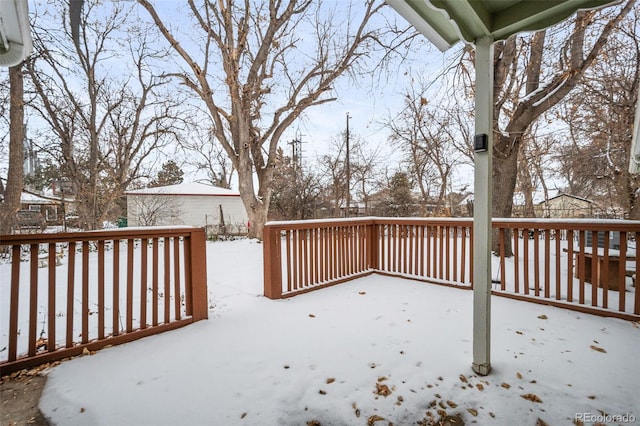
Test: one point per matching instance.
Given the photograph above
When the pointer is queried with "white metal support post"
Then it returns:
(482, 208)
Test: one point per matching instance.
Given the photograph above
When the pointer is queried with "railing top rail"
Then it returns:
(99, 235)
(576, 224)
(424, 220)
(318, 223)
(539, 223)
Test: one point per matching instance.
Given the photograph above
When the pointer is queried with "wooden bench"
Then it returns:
(609, 273)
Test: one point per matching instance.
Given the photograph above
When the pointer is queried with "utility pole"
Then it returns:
(348, 171)
(296, 152)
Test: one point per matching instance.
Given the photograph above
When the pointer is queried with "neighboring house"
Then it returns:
(49, 207)
(194, 204)
(565, 206)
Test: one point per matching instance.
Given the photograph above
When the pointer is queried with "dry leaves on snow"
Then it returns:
(382, 390)
(531, 397)
(598, 349)
(373, 419)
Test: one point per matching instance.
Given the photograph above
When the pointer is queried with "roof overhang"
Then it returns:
(446, 22)
(15, 32)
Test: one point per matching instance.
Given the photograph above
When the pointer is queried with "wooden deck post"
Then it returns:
(198, 265)
(272, 259)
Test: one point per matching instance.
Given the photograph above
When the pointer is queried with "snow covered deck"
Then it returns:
(376, 347)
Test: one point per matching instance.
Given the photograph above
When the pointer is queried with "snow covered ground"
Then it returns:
(353, 354)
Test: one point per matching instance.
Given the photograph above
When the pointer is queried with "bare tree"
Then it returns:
(152, 210)
(365, 172)
(364, 165)
(296, 191)
(534, 159)
(256, 74)
(425, 138)
(528, 82)
(333, 175)
(102, 127)
(15, 179)
(600, 118)
(205, 153)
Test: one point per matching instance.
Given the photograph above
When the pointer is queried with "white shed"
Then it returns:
(194, 204)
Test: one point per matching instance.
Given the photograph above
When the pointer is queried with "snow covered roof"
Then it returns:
(562, 194)
(29, 198)
(190, 188)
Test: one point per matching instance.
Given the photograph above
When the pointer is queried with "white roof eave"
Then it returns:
(15, 32)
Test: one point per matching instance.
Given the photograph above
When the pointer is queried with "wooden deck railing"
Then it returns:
(552, 260)
(64, 293)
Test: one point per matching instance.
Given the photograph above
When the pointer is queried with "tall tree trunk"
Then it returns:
(525, 183)
(505, 173)
(15, 180)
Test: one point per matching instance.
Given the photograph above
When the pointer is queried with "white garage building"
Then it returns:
(196, 204)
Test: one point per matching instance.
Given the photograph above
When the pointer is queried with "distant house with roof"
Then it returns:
(49, 207)
(564, 206)
(194, 204)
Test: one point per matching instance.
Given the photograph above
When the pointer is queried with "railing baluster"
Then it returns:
(51, 308)
(516, 263)
(287, 241)
(604, 280)
(536, 261)
(176, 278)
(440, 252)
(115, 315)
(155, 269)
(525, 238)
(144, 242)
(71, 271)
(622, 272)
(101, 289)
(570, 265)
(33, 298)
(14, 302)
(547, 264)
(635, 277)
(582, 267)
(558, 264)
(85, 292)
(463, 254)
(167, 280)
(501, 269)
(421, 256)
(447, 252)
(129, 299)
(596, 279)
(294, 258)
(455, 263)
